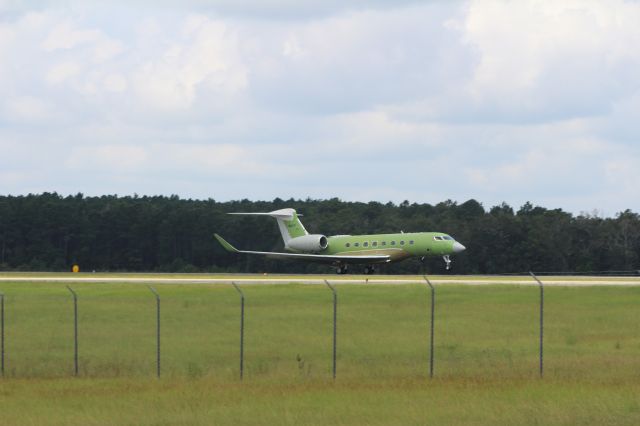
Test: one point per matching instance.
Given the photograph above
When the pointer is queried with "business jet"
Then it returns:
(341, 251)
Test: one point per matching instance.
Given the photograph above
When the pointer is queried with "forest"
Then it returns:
(50, 232)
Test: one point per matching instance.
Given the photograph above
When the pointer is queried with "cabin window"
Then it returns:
(356, 244)
(365, 244)
(348, 245)
(393, 243)
(411, 242)
(374, 244)
(384, 243)
(402, 242)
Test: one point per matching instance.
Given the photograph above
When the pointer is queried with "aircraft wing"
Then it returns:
(319, 258)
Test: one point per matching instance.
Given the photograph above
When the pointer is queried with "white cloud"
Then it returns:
(622, 173)
(115, 83)
(510, 101)
(62, 71)
(28, 109)
(204, 59)
(359, 60)
(65, 36)
(374, 133)
(104, 158)
(106, 49)
(551, 60)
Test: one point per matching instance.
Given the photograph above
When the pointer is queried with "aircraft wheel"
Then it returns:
(341, 270)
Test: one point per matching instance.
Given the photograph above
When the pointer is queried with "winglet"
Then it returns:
(225, 244)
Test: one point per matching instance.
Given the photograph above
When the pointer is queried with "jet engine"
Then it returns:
(308, 243)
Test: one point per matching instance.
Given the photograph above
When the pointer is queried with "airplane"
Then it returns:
(344, 250)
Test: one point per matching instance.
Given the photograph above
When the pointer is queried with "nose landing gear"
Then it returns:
(447, 260)
(369, 269)
(341, 269)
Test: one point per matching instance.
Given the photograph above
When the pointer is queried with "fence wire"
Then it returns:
(120, 331)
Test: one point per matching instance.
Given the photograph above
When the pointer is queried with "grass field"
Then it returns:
(294, 277)
(486, 355)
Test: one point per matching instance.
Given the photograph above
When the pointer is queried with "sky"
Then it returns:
(425, 101)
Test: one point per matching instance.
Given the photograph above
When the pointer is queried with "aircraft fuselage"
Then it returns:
(397, 246)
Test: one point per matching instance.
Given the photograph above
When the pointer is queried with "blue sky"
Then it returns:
(362, 100)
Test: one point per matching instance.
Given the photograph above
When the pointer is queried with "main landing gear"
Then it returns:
(342, 269)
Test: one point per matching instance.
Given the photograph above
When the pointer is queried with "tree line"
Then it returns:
(49, 232)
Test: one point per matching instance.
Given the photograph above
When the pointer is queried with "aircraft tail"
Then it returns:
(288, 222)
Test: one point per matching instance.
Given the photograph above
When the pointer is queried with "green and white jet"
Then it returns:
(344, 250)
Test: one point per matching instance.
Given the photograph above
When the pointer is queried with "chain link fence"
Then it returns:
(420, 330)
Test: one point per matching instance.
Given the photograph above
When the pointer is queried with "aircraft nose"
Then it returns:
(457, 247)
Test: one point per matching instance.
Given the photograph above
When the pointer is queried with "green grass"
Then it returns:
(486, 359)
(506, 279)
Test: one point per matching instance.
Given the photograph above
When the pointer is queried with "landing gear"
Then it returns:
(341, 269)
(447, 260)
(369, 269)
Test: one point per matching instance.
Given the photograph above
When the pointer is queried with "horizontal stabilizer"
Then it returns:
(286, 214)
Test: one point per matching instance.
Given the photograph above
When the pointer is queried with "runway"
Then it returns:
(257, 279)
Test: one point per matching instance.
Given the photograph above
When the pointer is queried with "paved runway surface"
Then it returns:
(572, 281)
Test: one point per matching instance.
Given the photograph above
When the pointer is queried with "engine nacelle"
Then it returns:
(308, 243)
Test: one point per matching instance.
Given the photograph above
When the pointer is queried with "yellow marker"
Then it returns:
(75, 268)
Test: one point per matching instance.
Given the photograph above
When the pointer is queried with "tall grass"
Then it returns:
(486, 359)
(382, 331)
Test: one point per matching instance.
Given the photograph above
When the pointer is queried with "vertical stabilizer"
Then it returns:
(288, 223)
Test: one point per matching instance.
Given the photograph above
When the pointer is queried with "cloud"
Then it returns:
(203, 60)
(108, 157)
(28, 109)
(498, 101)
(535, 62)
(64, 36)
(115, 83)
(276, 10)
(355, 61)
(552, 60)
(63, 71)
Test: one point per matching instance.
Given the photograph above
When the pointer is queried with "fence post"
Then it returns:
(241, 329)
(541, 322)
(75, 331)
(433, 307)
(157, 329)
(335, 325)
(2, 333)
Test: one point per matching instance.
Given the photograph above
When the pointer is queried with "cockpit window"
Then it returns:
(437, 238)
(446, 237)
